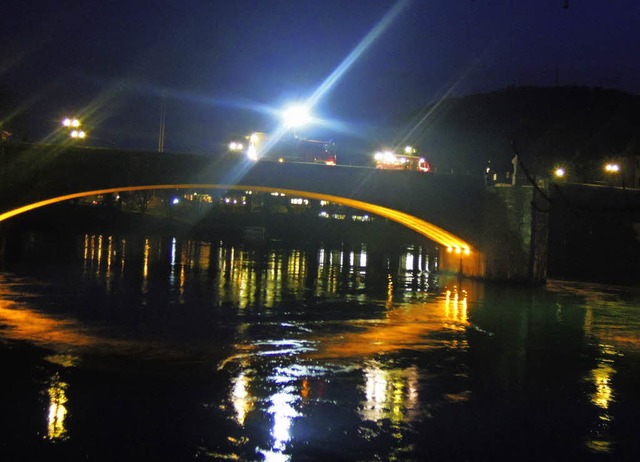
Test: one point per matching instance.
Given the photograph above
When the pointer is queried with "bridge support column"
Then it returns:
(472, 265)
(516, 228)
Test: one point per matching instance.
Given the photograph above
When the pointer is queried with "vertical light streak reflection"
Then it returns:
(57, 410)
(173, 252)
(296, 271)
(408, 257)
(602, 391)
(239, 276)
(455, 307)
(57, 391)
(182, 283)
(85, 256)
(602, 396)
(390, 394)
(205, 251)
(109, 255)
(245, 287)
(123, 247)
(240, 397)
(601, 379)
(357, 269)
(98, 255)
(283, 413)
(389, 303)
(93, 249)
(145, 267)
(328, 271)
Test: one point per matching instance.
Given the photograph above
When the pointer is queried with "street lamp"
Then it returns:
(559, 172)
(73, 124)
(70, 123)
(612, 168)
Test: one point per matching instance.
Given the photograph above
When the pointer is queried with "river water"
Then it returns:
(148, 348)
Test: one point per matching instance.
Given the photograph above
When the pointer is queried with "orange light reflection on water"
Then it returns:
(404, 326)
(22, 322)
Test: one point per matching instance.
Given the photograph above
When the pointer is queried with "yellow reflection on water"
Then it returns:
(24, 323)
(240, 397)
(389, 303)
(404, 326)
(456, 307)
(145, 264)
(390, 394)
(57, 409)
(602, 396)
(57, 392)
(601, 378)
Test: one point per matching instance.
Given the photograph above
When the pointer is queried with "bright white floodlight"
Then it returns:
(612, 168)
(296, 116)
(67, 122)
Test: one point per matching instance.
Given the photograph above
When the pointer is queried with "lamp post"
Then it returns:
(613, 169)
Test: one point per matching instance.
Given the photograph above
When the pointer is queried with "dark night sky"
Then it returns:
(225, 66)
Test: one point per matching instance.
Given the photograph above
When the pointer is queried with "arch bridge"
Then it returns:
(446, 209)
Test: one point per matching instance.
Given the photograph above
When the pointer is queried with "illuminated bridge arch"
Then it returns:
(429, 230)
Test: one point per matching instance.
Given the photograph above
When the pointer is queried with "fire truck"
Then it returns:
(388, 160)
(289, 148)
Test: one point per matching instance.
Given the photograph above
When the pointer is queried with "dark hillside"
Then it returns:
(575, 126)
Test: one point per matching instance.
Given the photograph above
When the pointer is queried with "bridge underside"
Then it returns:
(457, 255)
